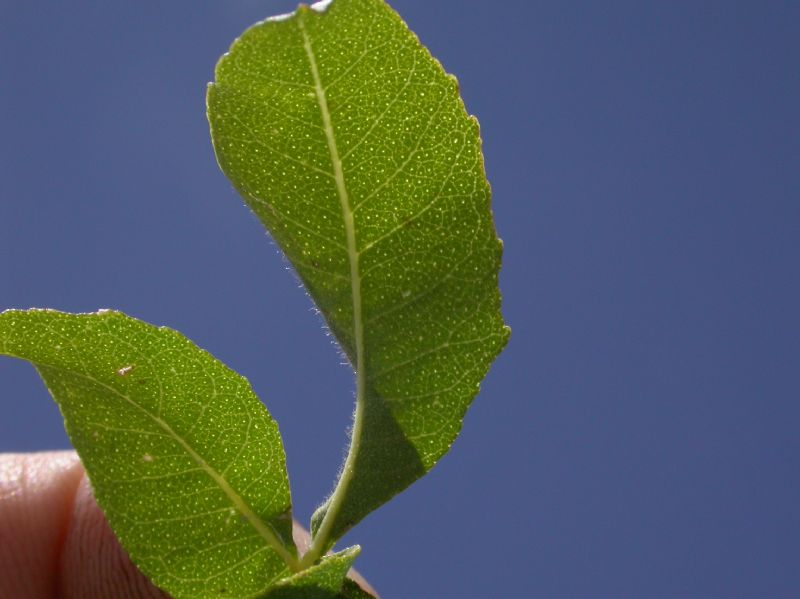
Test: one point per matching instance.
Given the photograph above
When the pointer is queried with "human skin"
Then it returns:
(55, 541)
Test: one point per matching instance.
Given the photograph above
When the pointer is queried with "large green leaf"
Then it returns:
(353, 147)
(184, 460)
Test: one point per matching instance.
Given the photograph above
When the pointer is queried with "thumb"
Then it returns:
(54, 540)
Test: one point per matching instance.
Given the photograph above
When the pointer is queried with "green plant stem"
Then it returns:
(319, 543)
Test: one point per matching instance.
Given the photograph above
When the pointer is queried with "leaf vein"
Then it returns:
(264, 528)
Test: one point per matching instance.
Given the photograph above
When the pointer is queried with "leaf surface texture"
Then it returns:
(353, 147)
(321, 581)
(184, 459)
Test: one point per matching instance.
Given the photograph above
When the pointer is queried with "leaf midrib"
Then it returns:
(263, 528)
(340, 492)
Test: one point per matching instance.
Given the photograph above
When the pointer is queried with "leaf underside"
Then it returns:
(184, 459)
(321, 581)
(351, 144)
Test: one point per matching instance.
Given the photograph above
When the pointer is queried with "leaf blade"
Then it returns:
(353, 147)
(321, 581)
(172, 441)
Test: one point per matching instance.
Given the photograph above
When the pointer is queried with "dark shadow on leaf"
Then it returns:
(386, 464)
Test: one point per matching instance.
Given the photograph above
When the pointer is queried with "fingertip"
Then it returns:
(94, 565)
(36, 497)
(54, 539)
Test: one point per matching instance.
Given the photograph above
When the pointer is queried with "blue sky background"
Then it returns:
(640, 435)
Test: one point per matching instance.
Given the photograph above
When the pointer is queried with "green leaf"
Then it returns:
(321, 581)
(351, 590)
(351, 144)
(184, 460)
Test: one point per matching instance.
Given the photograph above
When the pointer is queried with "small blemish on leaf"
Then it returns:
(147, 458)
(125, 370)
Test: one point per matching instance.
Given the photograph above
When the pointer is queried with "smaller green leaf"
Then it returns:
(321, 581)
(352, 590)
(184, 459)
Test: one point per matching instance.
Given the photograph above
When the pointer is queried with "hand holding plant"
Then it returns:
(353, 147)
